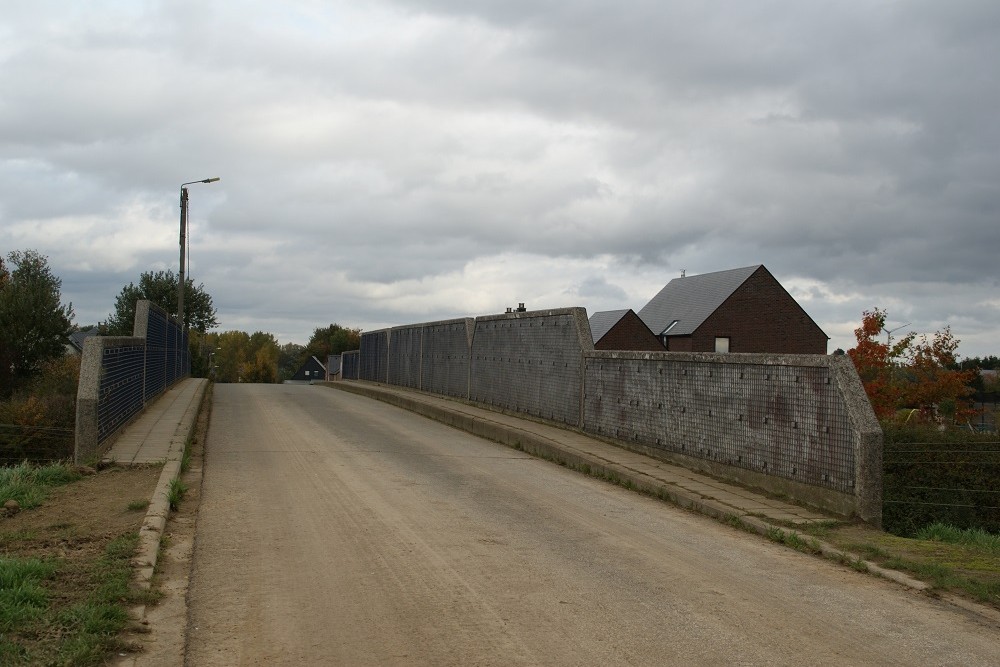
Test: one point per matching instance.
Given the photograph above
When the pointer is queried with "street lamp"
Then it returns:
(184, 215)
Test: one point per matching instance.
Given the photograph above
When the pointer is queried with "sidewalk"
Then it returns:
(159, 434)
(680, 485)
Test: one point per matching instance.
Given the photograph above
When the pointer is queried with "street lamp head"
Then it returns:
(204, 180)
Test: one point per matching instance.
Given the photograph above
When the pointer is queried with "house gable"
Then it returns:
(685, 303)
(310, 371)
(623, 330)
(760, 316)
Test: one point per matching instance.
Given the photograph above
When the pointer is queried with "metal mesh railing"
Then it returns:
(121, 387)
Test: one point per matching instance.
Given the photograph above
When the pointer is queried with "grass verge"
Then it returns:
(29, 485)
(958, 561)
(41, 624)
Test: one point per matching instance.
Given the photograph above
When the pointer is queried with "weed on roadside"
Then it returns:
(138, 505)
(176, 493)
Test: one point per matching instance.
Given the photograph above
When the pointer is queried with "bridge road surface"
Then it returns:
(338, 530)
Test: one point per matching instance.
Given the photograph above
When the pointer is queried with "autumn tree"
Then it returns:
(241, 357)
(916, 373)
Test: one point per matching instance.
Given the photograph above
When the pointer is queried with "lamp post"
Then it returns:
(184, 215)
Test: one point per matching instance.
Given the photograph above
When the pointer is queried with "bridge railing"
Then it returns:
(120, 375)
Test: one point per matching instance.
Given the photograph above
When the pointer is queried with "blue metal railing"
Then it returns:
(134, 375)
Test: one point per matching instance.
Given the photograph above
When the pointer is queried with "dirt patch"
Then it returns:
(73, 528)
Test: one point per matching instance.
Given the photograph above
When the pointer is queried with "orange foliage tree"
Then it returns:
(910, 373)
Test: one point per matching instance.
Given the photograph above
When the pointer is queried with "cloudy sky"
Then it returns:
(397, 161)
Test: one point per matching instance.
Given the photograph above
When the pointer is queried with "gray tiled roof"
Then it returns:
(690, 300)
(601, 322)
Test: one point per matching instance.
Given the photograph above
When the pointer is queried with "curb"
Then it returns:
(545, 448)
(153, 525)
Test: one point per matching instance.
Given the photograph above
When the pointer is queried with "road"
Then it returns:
(337, 530)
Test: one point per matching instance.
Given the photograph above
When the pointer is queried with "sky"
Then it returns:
(401, 161)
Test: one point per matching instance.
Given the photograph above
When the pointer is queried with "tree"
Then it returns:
(239, 357)
(333, 339)
(290, 357)
(913, 373)
(160, 287)
(34, 325)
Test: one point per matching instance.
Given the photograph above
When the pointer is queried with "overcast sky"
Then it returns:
(390, 162)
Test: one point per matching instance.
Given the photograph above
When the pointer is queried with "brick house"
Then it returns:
(622, 330)
(739, 310)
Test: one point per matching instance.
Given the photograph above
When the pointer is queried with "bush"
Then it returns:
(38, 424)
(939, 476)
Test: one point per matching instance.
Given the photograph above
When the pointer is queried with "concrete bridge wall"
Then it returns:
(799, 425)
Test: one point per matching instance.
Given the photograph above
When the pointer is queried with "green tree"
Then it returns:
(34, 325)
(333, 339)
(160, 287)
(290, 356)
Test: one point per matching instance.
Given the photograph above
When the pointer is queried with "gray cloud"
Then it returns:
(420, 159)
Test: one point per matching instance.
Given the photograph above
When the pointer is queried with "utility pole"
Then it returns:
(184, 217)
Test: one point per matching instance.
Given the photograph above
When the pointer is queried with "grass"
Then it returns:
(29, 485)
(138, 505)
(176, 493)
(948, 558)
(970, 537)
(35, 628)
(23, 599)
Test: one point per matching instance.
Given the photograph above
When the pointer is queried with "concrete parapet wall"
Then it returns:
(794, 424)
(444, 364)
(374, 356)
(531, 362)
(350, 363)
(403, 361)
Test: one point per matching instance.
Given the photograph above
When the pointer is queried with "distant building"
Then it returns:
(738, 310)
(74, 345)
(622, 330)
(311, 371)
(333, 367)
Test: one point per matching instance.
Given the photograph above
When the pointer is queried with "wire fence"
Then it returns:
(949, 482)
(35, 444)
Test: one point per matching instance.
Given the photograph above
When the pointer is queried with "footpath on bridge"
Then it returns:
(678, 484)
(159, 435)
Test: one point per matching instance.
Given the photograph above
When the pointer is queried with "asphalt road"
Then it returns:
(337, 530)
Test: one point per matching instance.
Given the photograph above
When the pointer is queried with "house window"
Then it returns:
(307, 372)
(722, 344)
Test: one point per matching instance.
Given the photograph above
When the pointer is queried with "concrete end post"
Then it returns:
(87, 393)
(869, 441)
